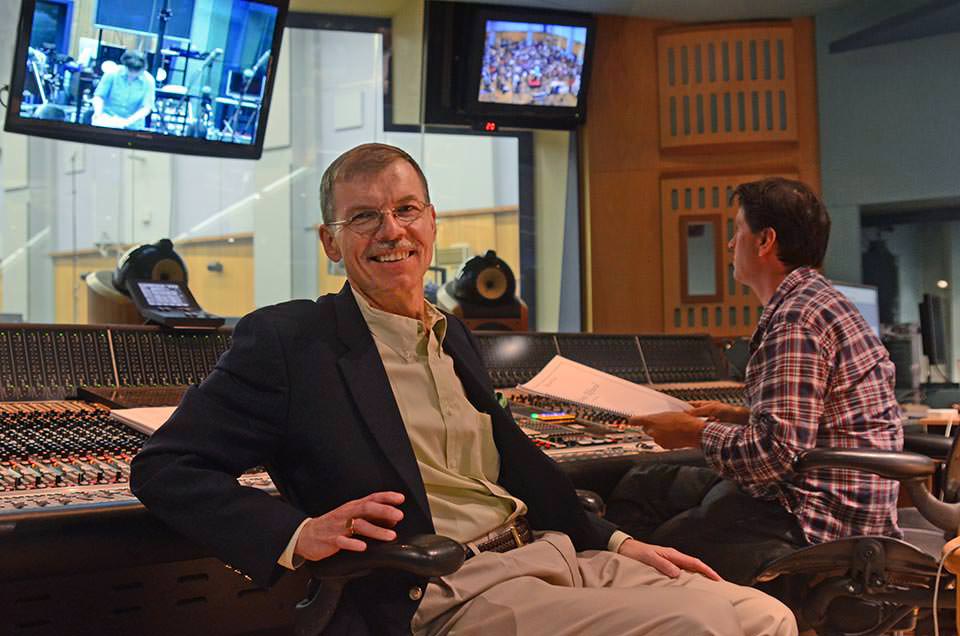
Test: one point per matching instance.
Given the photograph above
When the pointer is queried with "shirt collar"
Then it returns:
(401, 333)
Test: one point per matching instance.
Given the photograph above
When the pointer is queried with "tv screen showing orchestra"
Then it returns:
(532, 64)
(195, 70)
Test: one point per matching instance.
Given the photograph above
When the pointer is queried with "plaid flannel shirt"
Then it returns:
(818, 377)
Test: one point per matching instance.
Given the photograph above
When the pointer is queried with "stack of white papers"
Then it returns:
(145, 419)
(564, 379)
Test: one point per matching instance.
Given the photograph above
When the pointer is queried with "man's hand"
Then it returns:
(713, 410)
(340, 529)
(672, 429)
(666, 560)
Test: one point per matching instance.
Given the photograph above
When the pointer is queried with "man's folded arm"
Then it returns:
(187, 472)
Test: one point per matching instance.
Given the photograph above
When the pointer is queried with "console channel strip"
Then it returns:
(67, 456)
(49, 362)
(568, 432)
(719, 391)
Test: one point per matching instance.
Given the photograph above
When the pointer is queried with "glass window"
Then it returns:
(247, 230)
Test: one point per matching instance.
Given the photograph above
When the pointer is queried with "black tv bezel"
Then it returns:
(135, 140)
(522, 115)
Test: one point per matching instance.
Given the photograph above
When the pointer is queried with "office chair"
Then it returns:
(427, 555)
(865, 586)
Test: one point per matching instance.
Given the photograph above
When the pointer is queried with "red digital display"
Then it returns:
(490, 126)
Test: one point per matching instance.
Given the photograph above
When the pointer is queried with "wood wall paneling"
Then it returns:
(737, 312)
(635, 155)
(727, 85)
(622, 155)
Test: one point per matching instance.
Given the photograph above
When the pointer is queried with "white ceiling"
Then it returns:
(685, 10)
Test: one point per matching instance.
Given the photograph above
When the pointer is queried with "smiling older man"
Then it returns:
(375, 417)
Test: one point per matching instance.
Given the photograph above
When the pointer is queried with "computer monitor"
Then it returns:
(932, 329)
(865, 298)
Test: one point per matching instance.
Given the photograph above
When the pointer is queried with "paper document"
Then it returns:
(574, 382)
(145, 419)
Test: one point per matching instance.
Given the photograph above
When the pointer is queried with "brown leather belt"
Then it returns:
(503, 539)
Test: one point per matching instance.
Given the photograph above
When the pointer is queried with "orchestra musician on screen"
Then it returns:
(125, 96)
(93, 82)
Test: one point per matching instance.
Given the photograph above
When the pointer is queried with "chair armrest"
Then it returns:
(591, 502)
(426, 555)
(910, 469)
(901, 466)
(936, 446)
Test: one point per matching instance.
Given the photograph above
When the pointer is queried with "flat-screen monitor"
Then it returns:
(508, 66)
(933, 329)
(866, 300)
(167, 85)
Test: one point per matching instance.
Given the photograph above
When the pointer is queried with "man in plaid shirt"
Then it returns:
(818, 377)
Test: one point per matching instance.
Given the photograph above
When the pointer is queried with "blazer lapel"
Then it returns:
(367, 381)
(475, 385)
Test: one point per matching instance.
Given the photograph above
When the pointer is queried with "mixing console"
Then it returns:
(590, 434)
(43, 362)
(720, 391)
(513, 359)
(616, 355)
(49, 362)
(58, 455)
(147, 357)
(69, 524)
(67, 453)
(680, 358)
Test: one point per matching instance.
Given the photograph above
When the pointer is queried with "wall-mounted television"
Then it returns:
(510, 67)
(155, 75)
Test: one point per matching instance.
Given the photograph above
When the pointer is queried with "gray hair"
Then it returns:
(364, 160)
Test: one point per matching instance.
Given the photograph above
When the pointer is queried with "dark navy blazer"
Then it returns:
(303, 391)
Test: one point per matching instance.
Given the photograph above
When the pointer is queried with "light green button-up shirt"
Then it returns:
(452, 441)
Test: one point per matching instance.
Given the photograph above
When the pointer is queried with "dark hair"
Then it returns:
(795, 213)
(364, 160)
(133, 60)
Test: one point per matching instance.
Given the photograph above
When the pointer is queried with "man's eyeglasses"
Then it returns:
(369, 222)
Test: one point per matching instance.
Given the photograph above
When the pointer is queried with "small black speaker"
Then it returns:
(151, 261)
(484, 295)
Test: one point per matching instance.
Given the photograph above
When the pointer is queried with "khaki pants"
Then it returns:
(547, 588)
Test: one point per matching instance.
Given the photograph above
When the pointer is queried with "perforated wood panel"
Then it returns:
(738, 310)
(727, 85)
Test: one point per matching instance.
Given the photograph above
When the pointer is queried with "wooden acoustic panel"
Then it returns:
(731, 84)
(735, 310)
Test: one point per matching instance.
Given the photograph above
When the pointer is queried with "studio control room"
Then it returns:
(512, 317)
